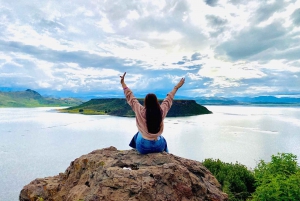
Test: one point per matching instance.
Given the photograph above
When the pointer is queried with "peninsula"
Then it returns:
(119, 107)
(31, 98)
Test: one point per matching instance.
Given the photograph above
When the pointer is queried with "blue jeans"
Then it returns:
(144, 146)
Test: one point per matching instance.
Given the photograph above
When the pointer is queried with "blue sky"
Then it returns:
(223, 48)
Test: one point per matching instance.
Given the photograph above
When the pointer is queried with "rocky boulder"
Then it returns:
(111, 174)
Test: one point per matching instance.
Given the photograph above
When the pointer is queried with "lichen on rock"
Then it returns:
(111, 174)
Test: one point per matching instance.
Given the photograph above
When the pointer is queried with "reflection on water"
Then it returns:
(251, 134)
(40, 142)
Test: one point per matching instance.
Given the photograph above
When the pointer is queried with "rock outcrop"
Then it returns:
(111, 174)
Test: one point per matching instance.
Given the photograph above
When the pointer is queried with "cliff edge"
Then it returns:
(111, 174)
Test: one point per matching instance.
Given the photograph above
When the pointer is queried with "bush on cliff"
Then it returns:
(278, 179)
(273, 181)
(236, 180)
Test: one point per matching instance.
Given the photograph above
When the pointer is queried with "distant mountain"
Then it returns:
(260, 100)
(30, 98)
(216, 101)
(267, 100)
(119, 107)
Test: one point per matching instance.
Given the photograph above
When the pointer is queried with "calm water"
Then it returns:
(40, 142)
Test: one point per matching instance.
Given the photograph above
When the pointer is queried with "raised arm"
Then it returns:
(131, 100)
(167, 103)
(123, 81)
(177, 86)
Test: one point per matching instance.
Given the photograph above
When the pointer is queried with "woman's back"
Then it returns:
(149, 119)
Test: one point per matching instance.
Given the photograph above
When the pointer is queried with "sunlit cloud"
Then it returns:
(222, 47)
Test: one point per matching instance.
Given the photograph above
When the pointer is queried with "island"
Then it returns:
(119, 107)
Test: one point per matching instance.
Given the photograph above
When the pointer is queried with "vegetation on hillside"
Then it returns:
(119, 107)
(279, 179)
(236, 180)
(273, 181)
(30, 98)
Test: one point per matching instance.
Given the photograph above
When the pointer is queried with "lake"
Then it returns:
(40, 142)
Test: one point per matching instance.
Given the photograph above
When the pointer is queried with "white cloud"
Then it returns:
(237, 45)
(133, 15)
(105, 25)
(27, 35)
(170, 36)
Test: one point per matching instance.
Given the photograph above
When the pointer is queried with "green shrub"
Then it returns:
(278, 179)
(236, 180)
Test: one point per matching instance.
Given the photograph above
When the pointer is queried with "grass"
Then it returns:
(31, 98)
(85, 111)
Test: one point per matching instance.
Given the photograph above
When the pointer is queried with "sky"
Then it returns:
(223, 48)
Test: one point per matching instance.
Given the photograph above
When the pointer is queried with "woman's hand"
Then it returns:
(180, 83)
(122, 80)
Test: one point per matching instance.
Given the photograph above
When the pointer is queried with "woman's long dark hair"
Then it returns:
(153, 113)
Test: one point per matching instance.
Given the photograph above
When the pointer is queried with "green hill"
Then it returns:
(119, 107)
(30, 98)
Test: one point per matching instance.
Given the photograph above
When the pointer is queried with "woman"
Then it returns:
(149, 119)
